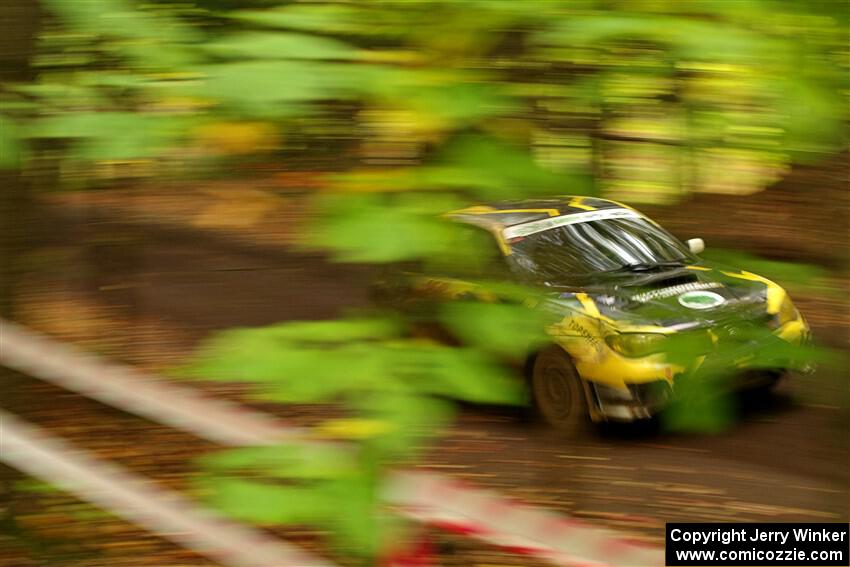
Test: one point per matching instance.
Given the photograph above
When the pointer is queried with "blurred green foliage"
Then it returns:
(304, 484)
(10, 151)
(358, 359)
(648, 96)
(706, 394)
(396, 390)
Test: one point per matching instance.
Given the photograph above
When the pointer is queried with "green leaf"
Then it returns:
(290, 373)
(110, 135)
(364, 357)
(376, 82)
(36, 487)
(119, 18)
(689, 38)
(815, 123)
(327, 18)
(267, 45)
(269, 88)
(359, 522)
(414, 417)
(324, 486)
(501, 329)
(55, 91)
(336, 331)
(471, 375)
(328, 375)
(494, 169)
(10, 144)
(603, 26)
(374, 232)
(337, 19)
(289, 461)
(696, 40)
(155, 54)
(459, 104)
(699, 408)
(458, 373)
(270, 504)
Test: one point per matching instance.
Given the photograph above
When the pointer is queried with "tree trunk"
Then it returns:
(19, 24)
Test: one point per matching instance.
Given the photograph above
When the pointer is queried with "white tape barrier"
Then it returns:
(160, 511)
(422, 496)
(136, 392)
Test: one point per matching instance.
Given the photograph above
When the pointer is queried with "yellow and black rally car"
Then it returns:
(622, 287)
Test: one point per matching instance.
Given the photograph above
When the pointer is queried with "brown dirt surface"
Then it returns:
(148, 297)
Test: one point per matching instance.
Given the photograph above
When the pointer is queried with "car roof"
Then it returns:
(502, 214)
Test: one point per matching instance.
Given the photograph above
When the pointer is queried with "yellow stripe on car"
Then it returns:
(578, 203)
(492, 211)
(589, 305)
(775, 293)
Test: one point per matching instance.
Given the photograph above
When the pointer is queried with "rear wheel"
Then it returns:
(558, 391)
(766, 383)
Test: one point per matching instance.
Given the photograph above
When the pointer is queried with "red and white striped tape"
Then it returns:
(166, 513)
(425, 497)
(513, 526)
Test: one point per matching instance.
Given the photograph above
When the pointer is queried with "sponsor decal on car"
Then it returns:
(701, 299)
(674, 290)
(585, 334)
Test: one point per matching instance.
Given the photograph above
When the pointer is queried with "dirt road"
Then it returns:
(786, 459)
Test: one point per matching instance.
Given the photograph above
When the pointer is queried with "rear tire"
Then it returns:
(558, 392)
(766, 388)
